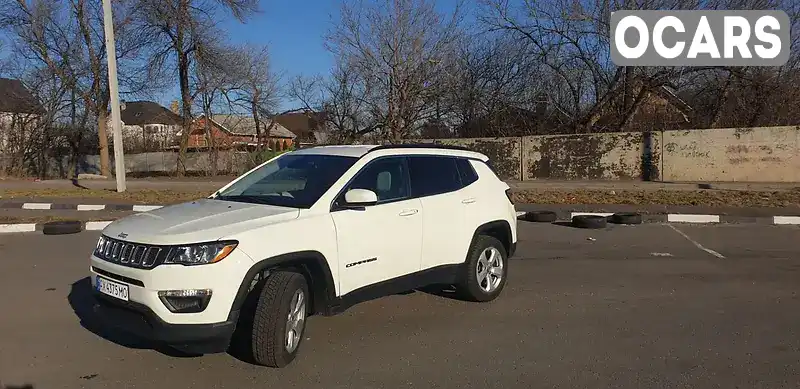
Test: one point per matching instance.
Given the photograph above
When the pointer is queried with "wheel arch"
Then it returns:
(312, 264)
(500, 229)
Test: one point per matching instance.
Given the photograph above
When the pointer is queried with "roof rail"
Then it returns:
(420, 146)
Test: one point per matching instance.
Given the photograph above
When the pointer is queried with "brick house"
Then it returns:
(238, 132)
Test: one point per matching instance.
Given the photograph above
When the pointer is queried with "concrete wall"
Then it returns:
(166, 162)
(765, 154)
(768, 154)
(612, 156)
(762, 154)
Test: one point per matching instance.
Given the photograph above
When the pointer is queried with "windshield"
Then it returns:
(291, 180)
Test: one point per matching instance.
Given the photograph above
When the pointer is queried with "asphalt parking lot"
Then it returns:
(651, 305)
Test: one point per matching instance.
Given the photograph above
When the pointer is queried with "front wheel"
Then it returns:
(280, 318)
(485, 272)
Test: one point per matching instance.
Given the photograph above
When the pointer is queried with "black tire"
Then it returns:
(589, 221)
(62, 227)
(468, 286)
(540, 216)
(268, 336)
(626, 218)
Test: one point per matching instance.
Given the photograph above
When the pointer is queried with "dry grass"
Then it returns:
(139, 196)
(727, 198)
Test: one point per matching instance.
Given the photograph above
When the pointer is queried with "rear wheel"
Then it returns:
(280, 318)
(485, 272)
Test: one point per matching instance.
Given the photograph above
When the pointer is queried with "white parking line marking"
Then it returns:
(712, 252)
(25, 227)
(687, 218)
(786, 220)
(145, 208)
(603, 214)
(661, 254)
(94, 226)
(36, 206)
(91, 207)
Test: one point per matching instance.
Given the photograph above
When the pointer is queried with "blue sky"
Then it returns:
(294, 31)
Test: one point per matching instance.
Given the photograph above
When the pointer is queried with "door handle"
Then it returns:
(409, 212)
(468, 201)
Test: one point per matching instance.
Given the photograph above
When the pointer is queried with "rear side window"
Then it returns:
(466, 172)
(386, 177)
(432, 175)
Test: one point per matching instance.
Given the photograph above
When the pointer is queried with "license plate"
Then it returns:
(111, 288)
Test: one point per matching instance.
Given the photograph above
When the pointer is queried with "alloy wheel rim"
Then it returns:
(295, 320)
(490, 269)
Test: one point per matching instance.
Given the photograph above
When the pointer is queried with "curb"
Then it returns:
(692, 218)
(33, 227)
(80, 207)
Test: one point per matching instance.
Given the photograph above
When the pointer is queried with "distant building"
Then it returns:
(239, 132)
(309, 126)
(20, 112)
(660, 109)
(148, 125)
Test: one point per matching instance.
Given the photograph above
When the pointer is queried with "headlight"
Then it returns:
(200, 254)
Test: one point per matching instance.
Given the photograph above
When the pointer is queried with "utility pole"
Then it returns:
(116, 120)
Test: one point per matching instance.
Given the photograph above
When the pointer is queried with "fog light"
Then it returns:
(185, 301)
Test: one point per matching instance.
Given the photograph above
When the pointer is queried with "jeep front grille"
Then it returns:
(129, 254)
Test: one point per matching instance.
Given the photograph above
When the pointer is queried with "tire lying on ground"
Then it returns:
(626, 218)
(589, 221)
(540, 216)
(62, 227)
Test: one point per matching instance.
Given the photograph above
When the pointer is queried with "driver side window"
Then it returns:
(387, 177)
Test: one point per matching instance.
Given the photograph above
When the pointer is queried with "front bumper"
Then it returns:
(145, 315)
(140, 320)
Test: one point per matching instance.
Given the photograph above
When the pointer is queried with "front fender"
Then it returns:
(307, 244)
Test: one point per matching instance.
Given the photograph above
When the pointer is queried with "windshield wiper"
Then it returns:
(246, 199)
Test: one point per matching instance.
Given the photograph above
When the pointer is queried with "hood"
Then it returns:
(196, 221)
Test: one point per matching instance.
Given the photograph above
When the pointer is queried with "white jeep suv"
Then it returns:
(312, 231)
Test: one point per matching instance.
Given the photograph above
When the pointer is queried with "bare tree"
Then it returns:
(30, 136)
(260, 91)
(341, 97)
(570, 40)
(185, 27)
(66, 39)
(488, 77)
(211, 81)
(390, 46)
(218, 81)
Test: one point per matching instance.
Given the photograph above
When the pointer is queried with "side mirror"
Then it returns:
(360, 198)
